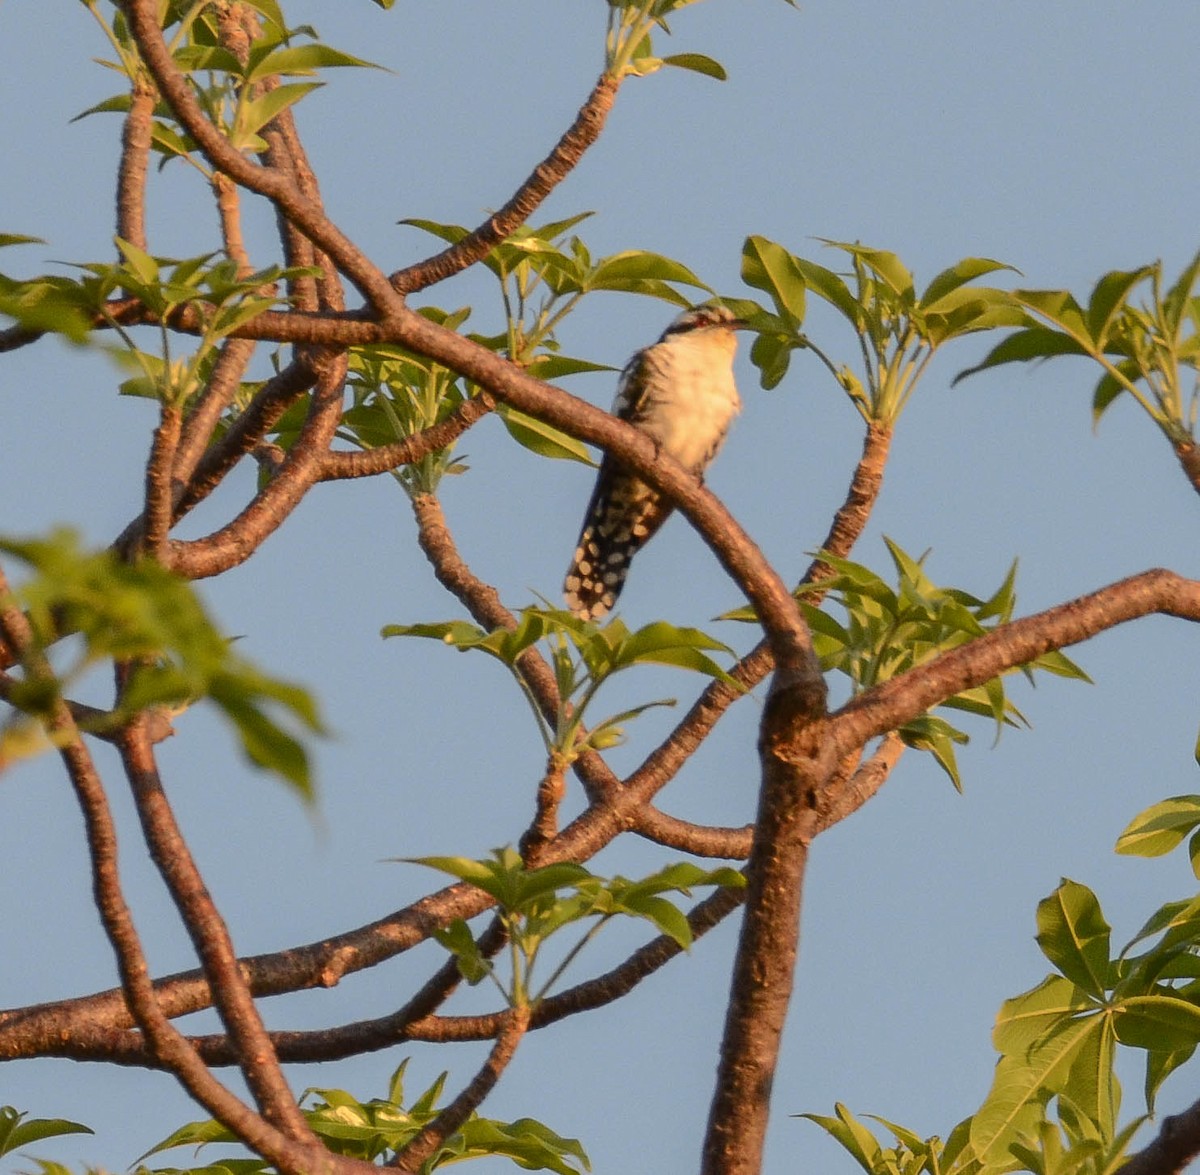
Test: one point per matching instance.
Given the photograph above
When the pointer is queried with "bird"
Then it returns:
(681, 393)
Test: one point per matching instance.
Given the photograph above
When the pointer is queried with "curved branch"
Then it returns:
(131, 173)
(701, 840)
(411, 1023)
(567, 152)
(844, 797)
(165, 1043)
(157, 512)
(233, 359)
(482, 601)
(210, 938)
(235, 542)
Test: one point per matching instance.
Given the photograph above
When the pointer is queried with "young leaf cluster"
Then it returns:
(376, 1130)
(397, 394)
(534, 904)
(141, 614)
(584, 654)
(221, 298)
(1054, 1104)
(889, 630)
(627, 46)
(898, 330)
(232, 92)
(1148, 350)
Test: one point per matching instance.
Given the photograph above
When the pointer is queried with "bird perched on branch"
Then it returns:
(680, 392)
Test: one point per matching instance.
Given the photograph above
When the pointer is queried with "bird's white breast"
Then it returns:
(692, 396)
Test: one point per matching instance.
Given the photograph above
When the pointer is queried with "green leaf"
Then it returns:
(1030, 344)
(1163, 1023)
(459, 941)
(769, 267)
(697, 63)
(301, 59)
(256, 113)
(856, 1138)
(1160, 828)
(1026, 1019)
(1024, 1083)
(886, 266)
(9, 239)
(17, 1131)
(543, 439)
(1074, 936)
(139, 261)
(959, 274)
(1107, 299)
(664, 644)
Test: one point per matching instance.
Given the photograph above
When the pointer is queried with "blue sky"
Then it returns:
(1052, 137)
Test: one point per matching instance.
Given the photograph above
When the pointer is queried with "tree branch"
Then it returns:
(131, 172)
(159, 486)
(663, 763)
(235, 542)
(483, 603)
(210, 938)
(167, 1046)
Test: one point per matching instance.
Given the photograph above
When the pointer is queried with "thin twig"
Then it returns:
(567, 152)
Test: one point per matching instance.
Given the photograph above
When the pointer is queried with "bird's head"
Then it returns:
(711, 319)
(710, 327)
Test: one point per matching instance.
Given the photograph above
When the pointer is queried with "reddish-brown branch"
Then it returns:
(567, 152)
(544, 827)
(701, 840)
(159, 483)
(210, 938)
(230, 212)
(430, 1139)
(233, 359)
(166, 1045)
(96, 723)
(801, 771)
(796, 764)
(131, 172)
(845, 796)
(273, 399)
(1188, 453)
(415, 1020)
